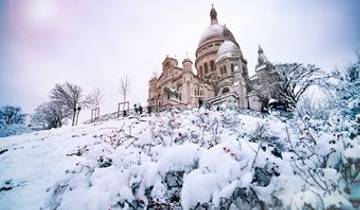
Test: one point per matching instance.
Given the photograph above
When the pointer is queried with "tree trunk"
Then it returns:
(73, 120)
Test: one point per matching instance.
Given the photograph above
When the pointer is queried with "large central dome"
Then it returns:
(215, 31)
(215, 38)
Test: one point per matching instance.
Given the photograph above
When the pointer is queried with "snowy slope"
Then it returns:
(169, 160)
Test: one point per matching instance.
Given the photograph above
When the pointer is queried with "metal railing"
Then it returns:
(115, 115)
(156, 109)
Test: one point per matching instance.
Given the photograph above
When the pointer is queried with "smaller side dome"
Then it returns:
(228, 49)
(187, 64)
(169, 61)
(187, 60)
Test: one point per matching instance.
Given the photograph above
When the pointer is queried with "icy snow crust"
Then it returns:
(228, 49)
(213, 31)
(166, 160)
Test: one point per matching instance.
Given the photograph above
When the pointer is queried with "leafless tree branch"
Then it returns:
(124, 87)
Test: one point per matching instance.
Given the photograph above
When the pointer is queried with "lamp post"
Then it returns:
(77, 115)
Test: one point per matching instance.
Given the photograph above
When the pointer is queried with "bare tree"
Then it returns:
(124, 87)
(95, 98)
(70, 97)
(294, 79)
(48, 115)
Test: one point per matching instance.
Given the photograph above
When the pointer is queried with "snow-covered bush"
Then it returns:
(12, 121)
(13, 129)
(208, 159)
(325, 154)
(48, 115)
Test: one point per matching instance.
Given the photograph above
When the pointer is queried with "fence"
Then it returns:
(122, 113)
(155, 109)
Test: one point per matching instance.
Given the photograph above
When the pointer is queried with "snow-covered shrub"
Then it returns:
(310, 106)
(207, 159)
(325, 156)
(268, 139)
(328, 175)
(12, 121)
(13, 129)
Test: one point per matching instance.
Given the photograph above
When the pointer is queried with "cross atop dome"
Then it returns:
(213, 15)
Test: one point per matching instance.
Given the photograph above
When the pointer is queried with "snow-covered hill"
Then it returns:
(171, 160)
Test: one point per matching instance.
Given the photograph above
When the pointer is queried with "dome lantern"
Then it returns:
(213, 15)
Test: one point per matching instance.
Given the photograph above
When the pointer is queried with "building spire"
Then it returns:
(260, 50)
(262, 59)
(213, 15)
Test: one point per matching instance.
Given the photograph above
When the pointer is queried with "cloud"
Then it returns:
(101, 41)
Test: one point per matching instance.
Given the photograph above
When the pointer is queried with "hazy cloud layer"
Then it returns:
(94, 43)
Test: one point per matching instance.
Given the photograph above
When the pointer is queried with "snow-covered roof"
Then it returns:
(253, 93)
(272, 100)
(253, 77)
(228, 49)
(171, 89)
(187, 60)
(260, 67)
(213, 31)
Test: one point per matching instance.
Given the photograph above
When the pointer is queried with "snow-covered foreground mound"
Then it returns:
(171, 160)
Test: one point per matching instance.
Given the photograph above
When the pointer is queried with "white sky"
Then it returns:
(94, 43)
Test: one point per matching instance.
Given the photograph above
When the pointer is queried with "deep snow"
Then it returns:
(171, 159)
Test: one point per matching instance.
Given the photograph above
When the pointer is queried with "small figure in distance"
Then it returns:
(140, 109)
(135, 108)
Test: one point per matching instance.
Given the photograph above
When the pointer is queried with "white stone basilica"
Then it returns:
(221, 75)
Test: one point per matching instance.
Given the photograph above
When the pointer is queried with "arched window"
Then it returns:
(225, 90)
(200, 71)
(232, 67)
(212, 65)
(206, 68)
(224, 69)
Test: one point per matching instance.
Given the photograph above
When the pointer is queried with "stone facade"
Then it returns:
(262, 86)
(221, 74)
